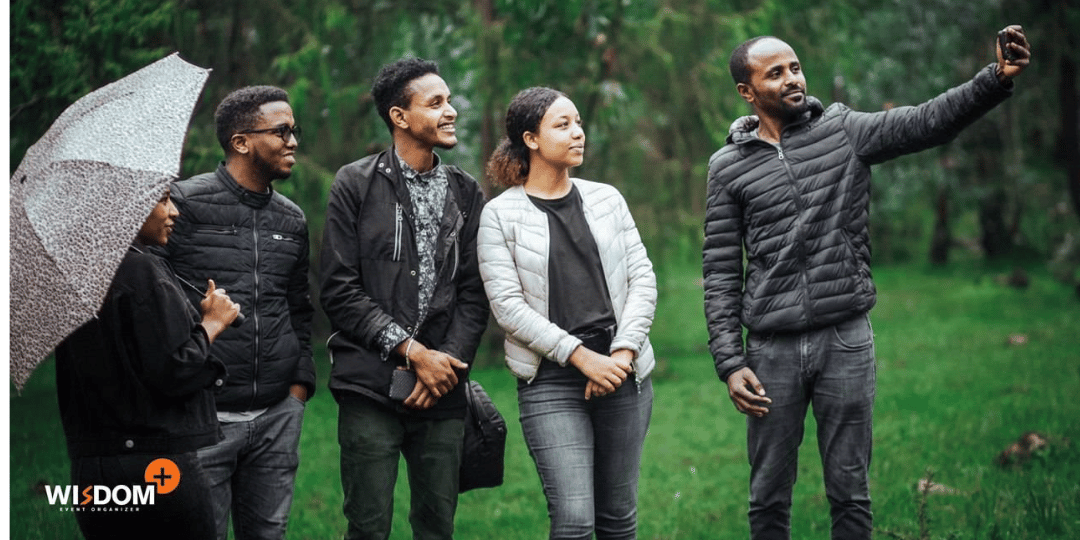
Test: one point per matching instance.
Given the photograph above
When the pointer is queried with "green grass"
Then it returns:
(951, 394)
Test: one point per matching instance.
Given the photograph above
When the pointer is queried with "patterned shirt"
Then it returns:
(427, 191)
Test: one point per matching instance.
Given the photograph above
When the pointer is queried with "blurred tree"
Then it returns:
(63, 50)
(649, 76)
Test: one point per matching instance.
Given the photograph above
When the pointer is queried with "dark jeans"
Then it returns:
(588, 453)
(182, 514)
(833, 370)
(372, 439)
(252, 472)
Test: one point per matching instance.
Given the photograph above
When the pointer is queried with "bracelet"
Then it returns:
(408, 347)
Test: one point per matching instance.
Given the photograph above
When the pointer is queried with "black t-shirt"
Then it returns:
(578, 298)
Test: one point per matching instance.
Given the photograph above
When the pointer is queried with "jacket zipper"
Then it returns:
(800, 242)
(453, 271)
(397, 231)
(254, 309)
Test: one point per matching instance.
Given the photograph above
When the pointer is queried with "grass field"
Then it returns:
(965, 366)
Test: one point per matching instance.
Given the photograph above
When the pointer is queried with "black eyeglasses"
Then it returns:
(283, 131)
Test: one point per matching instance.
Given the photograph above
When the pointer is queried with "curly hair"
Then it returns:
(240, 110)
(738, 63)
(391, 86)
(509, 164)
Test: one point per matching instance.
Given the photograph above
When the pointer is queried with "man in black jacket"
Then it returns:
(791, 187)
(234, 228)
(402, 290)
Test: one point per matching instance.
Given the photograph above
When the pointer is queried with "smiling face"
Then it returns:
(777, 87)
(271, 156)
(159, 224)
(429, 118)
(559, 139)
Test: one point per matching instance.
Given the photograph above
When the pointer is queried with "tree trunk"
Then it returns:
(1070, 127)
(490, 55)
(996, 241)
(942, 239)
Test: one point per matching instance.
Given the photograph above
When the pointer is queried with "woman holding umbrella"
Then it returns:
(571, 285)
(135, 388)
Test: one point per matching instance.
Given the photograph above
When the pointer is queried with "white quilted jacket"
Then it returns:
(512, 247)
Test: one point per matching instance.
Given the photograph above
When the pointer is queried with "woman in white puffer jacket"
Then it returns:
(573, 289)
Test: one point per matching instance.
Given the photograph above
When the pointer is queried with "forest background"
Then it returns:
(651, 81)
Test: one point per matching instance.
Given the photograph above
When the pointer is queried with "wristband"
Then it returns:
(408, 363)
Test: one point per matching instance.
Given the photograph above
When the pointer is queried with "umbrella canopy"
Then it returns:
(81, 194)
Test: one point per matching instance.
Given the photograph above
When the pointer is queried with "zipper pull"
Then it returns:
(780, 152)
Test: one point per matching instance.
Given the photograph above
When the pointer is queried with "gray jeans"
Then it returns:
(252, 471)
(588, 453)
(833, 371)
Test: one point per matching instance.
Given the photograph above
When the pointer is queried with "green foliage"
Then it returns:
(61, 51)
(649, 77)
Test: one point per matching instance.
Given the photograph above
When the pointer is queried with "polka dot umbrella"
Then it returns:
(82, 192)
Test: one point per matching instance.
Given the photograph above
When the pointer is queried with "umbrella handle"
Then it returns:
(239, 320)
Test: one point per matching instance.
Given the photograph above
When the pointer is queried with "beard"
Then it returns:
(269, 170)
(783, 110)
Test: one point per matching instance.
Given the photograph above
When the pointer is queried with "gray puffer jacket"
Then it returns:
(800, 211)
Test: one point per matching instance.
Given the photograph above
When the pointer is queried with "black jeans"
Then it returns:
(185, 513)
(373, 438)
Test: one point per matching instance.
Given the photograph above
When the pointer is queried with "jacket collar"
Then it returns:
(743, 128)
(246, 196)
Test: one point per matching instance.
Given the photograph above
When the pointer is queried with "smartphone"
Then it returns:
(402, 383)
(1003, 42)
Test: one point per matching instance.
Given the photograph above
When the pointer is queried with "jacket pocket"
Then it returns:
(217, 230)
(380, 232)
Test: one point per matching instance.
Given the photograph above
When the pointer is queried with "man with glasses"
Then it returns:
(253, 242)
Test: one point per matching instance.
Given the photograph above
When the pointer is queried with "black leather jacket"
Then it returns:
(255, 246)
(369, 277)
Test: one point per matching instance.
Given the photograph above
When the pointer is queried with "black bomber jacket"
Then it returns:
(369, 265)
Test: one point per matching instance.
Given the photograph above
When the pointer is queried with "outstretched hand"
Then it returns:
(1018, 46)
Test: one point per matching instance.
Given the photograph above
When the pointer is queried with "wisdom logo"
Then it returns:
(162, 477)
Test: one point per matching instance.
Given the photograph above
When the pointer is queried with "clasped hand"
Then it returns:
(435, 375)
(605, 373)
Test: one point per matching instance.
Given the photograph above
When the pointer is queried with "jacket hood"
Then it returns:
(742, 129)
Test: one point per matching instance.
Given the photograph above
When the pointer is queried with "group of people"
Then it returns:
(413, 262)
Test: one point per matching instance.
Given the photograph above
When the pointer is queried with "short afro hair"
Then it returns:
(391, 85)
(239, 110)
(738, 64)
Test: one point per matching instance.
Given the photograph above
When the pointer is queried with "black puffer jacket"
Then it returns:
(255, 246)
(368, 271)
(800, 210)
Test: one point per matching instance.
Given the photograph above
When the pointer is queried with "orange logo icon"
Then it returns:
(164, 474)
